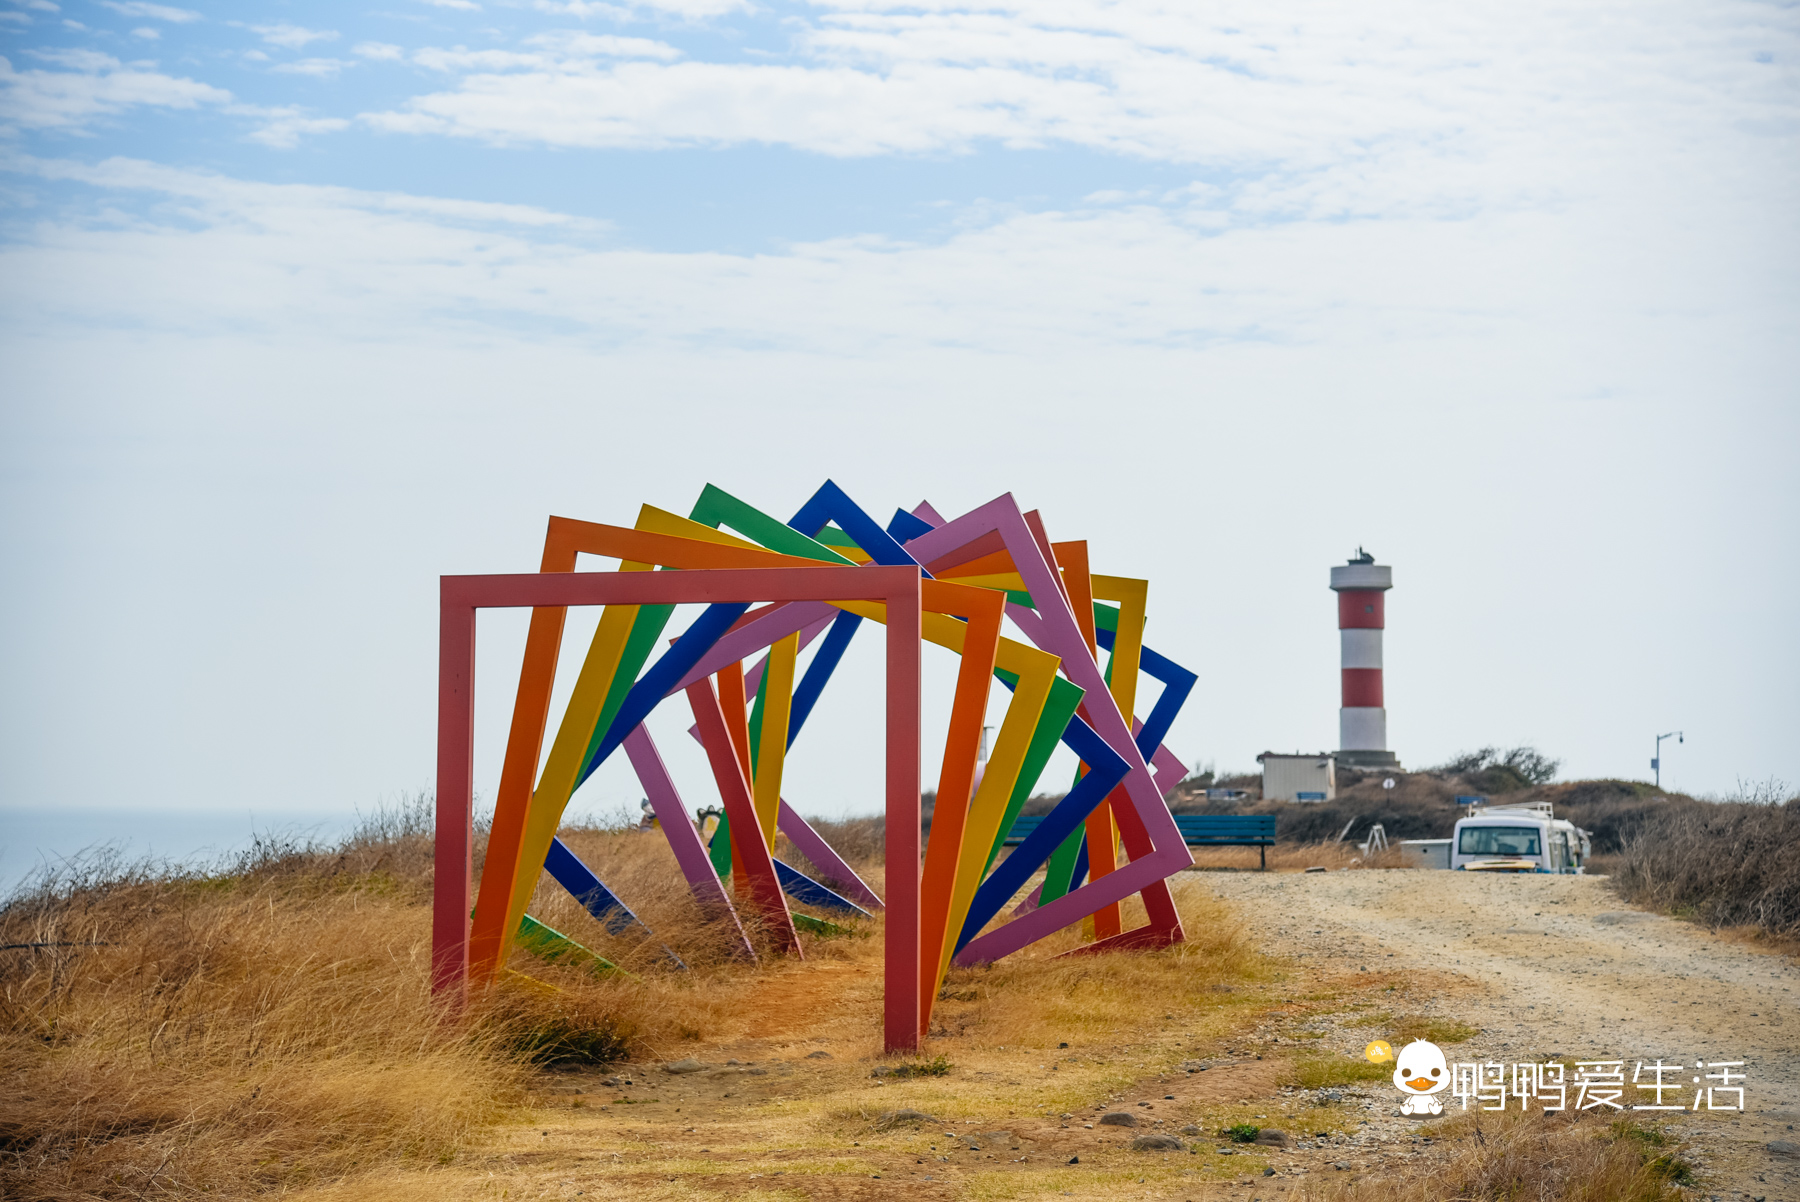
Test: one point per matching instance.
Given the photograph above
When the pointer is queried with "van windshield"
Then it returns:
(1498, 841)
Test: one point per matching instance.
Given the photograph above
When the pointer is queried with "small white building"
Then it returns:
(1425, 853)
(1298, 777)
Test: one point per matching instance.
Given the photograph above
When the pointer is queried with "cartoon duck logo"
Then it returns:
(1420, 1070)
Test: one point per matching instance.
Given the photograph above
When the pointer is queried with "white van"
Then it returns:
(1518, 839)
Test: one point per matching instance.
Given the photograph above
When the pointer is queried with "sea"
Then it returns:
(33, 841)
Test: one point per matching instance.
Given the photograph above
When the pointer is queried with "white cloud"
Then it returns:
(583, 9)
(155, 12)
(243, 204)
(378, 51)
(42, 6)
(147, 33)
(293, 37)
(77, 59)
(694, 10)
(563, 51)
(689, 10)
(459, 58)
(1322, 107)
(97, 86)
(1101, 276)
(575, 46)
(15, 18)
(468, 6)
(318, 67)
(833, 110)
(282, 128)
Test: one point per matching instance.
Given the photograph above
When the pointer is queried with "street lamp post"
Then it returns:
(1656, 764)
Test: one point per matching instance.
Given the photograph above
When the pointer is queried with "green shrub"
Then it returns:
(917, 1068)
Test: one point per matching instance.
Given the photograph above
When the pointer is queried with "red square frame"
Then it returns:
(460, 597)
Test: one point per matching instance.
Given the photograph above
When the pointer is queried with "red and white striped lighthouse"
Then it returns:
(1361, 587)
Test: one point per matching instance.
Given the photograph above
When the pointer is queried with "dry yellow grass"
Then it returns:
(1027, 999)
(1294, 857)
(268, 1031)
(234, 1035)
(270, 1027)
(1027, 1041)
(1569, 1157)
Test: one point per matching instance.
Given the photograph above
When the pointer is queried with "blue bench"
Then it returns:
(1197, 830)
(1229, 830)
(1022, 827)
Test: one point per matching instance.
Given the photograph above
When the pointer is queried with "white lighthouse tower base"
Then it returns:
(1362, 729)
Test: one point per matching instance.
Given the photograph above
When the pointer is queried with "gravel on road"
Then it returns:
(1559, 966)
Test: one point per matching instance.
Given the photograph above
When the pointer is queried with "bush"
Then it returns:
(937, 1067)
(1491, 770)
(553, 1029)
(861, 841)
(1724, 863)
(1611, 811)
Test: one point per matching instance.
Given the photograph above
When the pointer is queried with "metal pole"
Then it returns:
(1656, 764)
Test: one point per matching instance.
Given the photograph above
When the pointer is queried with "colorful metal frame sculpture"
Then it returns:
(825, 572)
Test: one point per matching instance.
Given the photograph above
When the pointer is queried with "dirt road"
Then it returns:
(1558, 966)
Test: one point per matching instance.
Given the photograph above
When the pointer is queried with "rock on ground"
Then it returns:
(1153, 1143)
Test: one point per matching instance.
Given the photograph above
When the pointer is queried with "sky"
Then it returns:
(304, 306)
